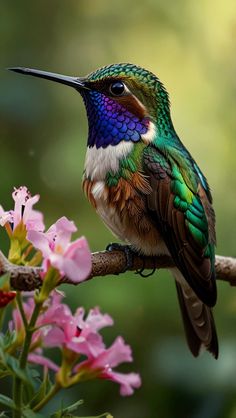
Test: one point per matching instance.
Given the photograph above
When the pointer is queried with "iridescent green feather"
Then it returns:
(191, 205)
(186, 198)
(127, 166)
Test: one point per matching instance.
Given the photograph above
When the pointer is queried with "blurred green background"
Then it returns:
(190, 45)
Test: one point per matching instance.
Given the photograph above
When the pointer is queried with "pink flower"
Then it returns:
(73, 332)
(80, 335)
(23, 211)
(51, 305)
(76, 335)
(72, 259)
(103, 364)
(5, 216)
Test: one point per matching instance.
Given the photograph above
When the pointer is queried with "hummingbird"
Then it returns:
(146, 186)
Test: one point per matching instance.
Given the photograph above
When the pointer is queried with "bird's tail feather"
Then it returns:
(198, 321)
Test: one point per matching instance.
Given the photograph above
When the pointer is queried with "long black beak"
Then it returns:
(75, 82)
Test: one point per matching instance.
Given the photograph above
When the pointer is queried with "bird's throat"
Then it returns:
(110, 122)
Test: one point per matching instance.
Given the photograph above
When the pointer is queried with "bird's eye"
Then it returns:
(117, 88)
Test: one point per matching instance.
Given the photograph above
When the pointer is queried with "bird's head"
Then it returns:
(124, 102)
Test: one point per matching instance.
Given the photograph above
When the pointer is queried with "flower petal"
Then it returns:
(39, 241)
(91, 346)
(94, 321)
(34, 221)
(5, 216)
(43, 361)
(53, 337)
(128, 382)
(79, 252)
(63, 224)
(119, 352)
(20, 196)
(63, 229)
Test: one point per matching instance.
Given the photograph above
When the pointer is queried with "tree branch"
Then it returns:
(109, 262)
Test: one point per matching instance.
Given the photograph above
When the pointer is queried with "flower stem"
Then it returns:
(8, 229)
(54, 389)
(21, 309)
(27, 252)
(29, 329)
(2, 316)
(28, 336)
(17, 396)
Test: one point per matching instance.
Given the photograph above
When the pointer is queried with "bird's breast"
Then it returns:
(100, 161)
(123, 209)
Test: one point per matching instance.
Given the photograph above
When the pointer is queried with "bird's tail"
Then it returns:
(198, 321)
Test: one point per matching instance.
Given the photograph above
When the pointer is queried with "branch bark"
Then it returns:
(109, 262)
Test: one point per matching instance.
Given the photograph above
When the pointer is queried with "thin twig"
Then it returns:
(109, 262)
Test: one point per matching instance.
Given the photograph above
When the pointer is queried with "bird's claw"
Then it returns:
(127, 250)
(140, 272)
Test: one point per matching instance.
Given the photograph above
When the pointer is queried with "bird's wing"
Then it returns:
(185, 219)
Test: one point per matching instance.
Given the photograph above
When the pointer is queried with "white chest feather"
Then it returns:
(100, 161)
(109, 214)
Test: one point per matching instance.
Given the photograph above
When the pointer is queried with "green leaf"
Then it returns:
(76, 416)
(13, 365)
(105, 415)
(31, 387)
(61, 414)
(66, 412)
(2, 356)
(28, 392)
(57, 414)
(42, 391)
(34, 373)
(8, 402)
(3, 415)
(3, 280)
(3, 373)
(28, 413)
(74, 406)
(7, 339)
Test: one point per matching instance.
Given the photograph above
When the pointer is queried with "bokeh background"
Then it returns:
(191, 46)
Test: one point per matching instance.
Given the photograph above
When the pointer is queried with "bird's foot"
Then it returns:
(141, 270)
(127, 250)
